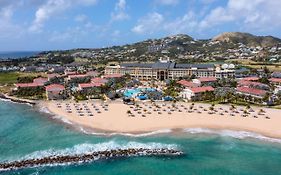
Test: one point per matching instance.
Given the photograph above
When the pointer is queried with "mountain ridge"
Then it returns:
(247, 39)
(182, 48)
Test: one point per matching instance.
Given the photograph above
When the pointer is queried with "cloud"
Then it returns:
(155, 22)
(167, 2)
(6, 13)
(71, 35)
(121, 5)
(52, 8)
(119, 12)
(217, 16)
(81, 18)
(7, 28)
(149, 24)
(186, 23)
(260, 15)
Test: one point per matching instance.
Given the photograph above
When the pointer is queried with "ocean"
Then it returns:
(27, 133)
(19, 54)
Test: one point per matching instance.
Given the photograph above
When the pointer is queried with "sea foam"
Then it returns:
(157, 132)
(88, 148)
(233, 134)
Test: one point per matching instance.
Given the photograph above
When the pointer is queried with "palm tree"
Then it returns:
(129, 112)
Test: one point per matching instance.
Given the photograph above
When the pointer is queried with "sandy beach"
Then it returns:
(146, 117)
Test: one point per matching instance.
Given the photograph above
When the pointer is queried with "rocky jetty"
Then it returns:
(17, 100)
(72, 159)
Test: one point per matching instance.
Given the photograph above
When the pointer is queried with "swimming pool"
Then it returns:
(131, 92)
(135, 91)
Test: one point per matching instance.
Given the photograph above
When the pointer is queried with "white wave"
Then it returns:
(45, 110)
(162, 131)
(63, 119)
(88, 148)
(232, 133)
(6, 100)
(11, 101)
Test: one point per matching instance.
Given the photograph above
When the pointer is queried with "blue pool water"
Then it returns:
(131, 92)
(134, 91)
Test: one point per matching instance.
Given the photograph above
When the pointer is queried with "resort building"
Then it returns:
(225, 71)
(95, 82)
(276, 75)
(54, 91)
(52, 76)
(275, 81)
(256, 93)
(40, 80)
(195, 93)
(205, 81)
(37, 82)
(28, 85)
(186, 83)
(88, 86)
(250, 79)
(113, 76)
(253, 84)
(165, 69)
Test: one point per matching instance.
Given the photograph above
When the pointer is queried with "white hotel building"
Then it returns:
(163, 70)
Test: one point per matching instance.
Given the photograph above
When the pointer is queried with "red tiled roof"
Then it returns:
(186, 83)
(250, 83)
(70, 73)
(89, 85)
(207, 79)
(202, 89)
(99, 80)
(275, 80)
(40, 80)
(113, 76)
(55, 87)
(251, 79)
(77, 76)
(53, 75)
(92, 73)
(252, 91)
(24, 85)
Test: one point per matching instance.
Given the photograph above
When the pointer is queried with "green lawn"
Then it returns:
(11, 77)
(8, 77)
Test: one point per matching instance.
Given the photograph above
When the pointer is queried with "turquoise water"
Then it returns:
(26, 133)
(132, 92)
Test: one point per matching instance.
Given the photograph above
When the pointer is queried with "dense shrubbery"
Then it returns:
(60, 59)
(28, 79)
(37, 92)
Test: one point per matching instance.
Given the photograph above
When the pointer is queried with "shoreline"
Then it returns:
(17, 100)
(107, 124)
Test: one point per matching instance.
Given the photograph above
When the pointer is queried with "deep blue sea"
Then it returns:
(26, 133)
(19, 54)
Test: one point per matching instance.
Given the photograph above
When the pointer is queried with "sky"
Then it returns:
(37, 25)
